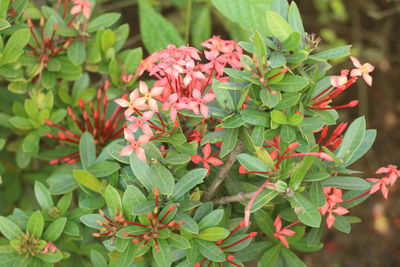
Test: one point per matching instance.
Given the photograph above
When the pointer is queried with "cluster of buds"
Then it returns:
(94, 121)
(340, 84)
(27, 244)
(110, 226)
(182, 84)
(335, 139)
(155, 225)
(220, 243)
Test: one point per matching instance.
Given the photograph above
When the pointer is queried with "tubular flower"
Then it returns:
(207, 158)
(134, 103)
(335, 139)
(135, 145)
(391, 172)
(149, 95)
(333, 196)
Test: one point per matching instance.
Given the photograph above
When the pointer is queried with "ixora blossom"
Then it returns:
(281, 233)
(333, 197)
(94, 120)
(81, 6)
(363, 70)
(207, 158)
(135, 145)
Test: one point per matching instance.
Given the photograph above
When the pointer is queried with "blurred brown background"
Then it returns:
(373, 27)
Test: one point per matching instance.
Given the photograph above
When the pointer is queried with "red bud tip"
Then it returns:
(230, 257)
(150, 215)
(353, 103)
(106, 85)
(54, 161)
(124, 233)
(96, 234)
(242, 224)
(253, 234)
(293, 145)
(101, 212)
(197, 265)
(157, 247)
(119, 218)
(49, 135)
(171, 208)
(81, 103)
(49, 122)
(135, 241)
(155, 191)
(325, 156)
(181, 223)
(171, 224)
(242, 169)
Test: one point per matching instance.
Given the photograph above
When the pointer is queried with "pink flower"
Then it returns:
(338, 81)
(282, 233)
(207, 159)
(49, 246)
(139, 122)
(380, 184)
(173, 105)
(135, 145)
(198, 102)
(392, 173)
(148, 96)
(362, 70)
(192, 74)
(81, 6)
(330, 219)
(135, 102)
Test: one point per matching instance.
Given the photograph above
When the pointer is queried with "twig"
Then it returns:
(235, 198)
(223, 172)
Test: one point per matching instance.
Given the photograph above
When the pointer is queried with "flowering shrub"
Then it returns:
(210, 157)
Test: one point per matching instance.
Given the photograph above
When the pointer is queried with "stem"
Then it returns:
(355, 198)
(188, 20)
(223, 172)
(235, 198)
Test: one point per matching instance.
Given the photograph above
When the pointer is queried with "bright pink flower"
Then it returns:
(330, 219)
(380, 184)
(139, 122)
(197, 102)
(81, 6)
(392, 172)
(282, 233)
(362, 70)
(149, 96)
(135, 145)
(135, 102)
(207, 159)
(49, 246)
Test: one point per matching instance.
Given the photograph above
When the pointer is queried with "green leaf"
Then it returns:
(21, 123)
(2, 143)
(61, 184)
(341, 224)
(291, 259)
(278, 26)
(102, 21)
(162, 256)
(269, 99)
(365, 146)
(260, 49)
(190, 225)
(295, 20)
(36, 224)
(103, 168)
(265, 222)
(317, 195)
(278, 117)
(270, 257)
(210, 250)
(88, 180)
(55, 229)
(254, 117)
(91, 220)
(301, 171)
(263, 199)
(292, 42)
(305, 210)
(334, 53)
(212, 219)
(178, 241)
(188, 181)
(43, 196)
(250, 15)
(201, 26)
(163, 179)
(349, 183)
(14, 47)
(291, 83)
(9, 229)
(113, 200)
(252, 163)
(87, 150)
(157, 32)
(352, 140)
(229, 142)
(142, 171)
(98, 259)
(51, 257)
(131, 197)
(287, 133)
(213, 233)
(76, 52)
(4, 24)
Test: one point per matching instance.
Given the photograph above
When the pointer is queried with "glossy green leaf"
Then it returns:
(113, 200)
(212, 219)
(210, 250)
(36, 224)
(305, 210)
(349, 183)
(229, 142)
(162, 256)
(43, 196)
(87, 150)
(213, 233)
(278, 26)
(9, 229)
(55, 229)
(102, 21)
(14, 46)
(88, 180)
(337, 52)
(188, 181)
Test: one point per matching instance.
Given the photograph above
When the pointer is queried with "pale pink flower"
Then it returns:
(135, 145)
(149, 96)
(362, 70)
(392, 172)
(380, 184)
(338, 81)
(173, 105)
(192, 74)
(139, 123)
(282, 233)
(49, 246)
(135, 102)
(81, 6)
(197, 102)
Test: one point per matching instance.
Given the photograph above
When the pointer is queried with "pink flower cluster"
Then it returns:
(392, 173)
(333, 197)
(182, 84)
